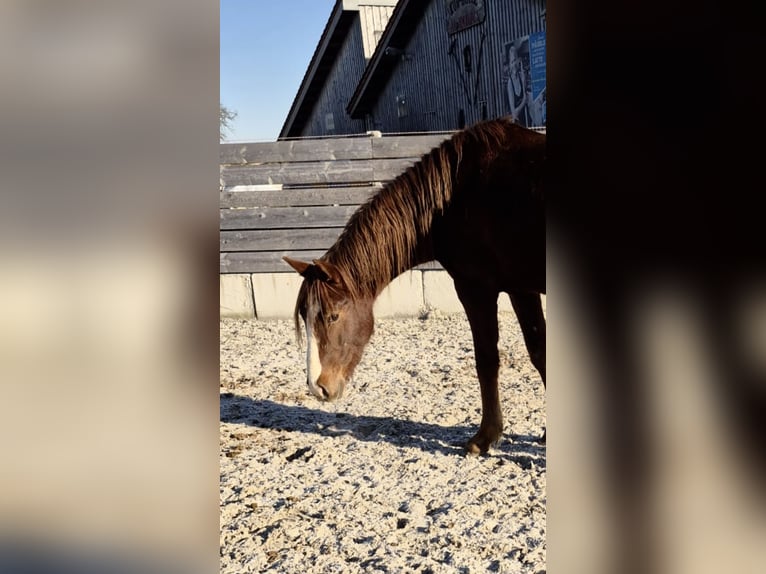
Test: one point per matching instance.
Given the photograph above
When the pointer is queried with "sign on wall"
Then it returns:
(462, 14)
(524, 79)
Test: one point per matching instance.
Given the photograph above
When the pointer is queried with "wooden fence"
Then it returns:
(294, 197)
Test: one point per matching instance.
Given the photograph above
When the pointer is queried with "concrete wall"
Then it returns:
(272, 295)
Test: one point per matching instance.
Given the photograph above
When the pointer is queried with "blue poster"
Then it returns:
(537, 74)
(524, 79)
(537, 63)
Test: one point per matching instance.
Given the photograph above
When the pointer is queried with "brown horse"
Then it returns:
(475, 204)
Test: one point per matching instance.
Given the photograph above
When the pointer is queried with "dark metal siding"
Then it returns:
(432, 78)
(430, 75)
(340, 84)
(349, 66)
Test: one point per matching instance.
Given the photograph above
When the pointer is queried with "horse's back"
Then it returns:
(493, 233)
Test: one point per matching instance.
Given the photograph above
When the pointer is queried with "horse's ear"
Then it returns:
(328, 271)
(299, 266)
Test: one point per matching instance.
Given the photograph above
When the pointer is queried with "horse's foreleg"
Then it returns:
(481, 309)
(529, 312)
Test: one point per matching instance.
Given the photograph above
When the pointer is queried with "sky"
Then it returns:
(266, 47)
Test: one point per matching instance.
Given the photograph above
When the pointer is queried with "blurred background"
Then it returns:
(108, 290)
(657, 290)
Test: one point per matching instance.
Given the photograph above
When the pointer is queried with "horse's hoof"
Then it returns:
(480, 445)
(472, 449)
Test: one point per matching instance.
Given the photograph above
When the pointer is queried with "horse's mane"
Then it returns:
(385, 236)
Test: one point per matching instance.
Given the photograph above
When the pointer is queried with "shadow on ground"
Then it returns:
(523, 450)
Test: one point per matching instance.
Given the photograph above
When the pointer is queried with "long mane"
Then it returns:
(390, 233)
(385, 236)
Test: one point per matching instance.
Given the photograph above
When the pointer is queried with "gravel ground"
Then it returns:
(378, 481)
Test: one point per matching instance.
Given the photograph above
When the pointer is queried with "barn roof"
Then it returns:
(401, 25)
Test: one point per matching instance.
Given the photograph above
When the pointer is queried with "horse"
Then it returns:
(475, 204)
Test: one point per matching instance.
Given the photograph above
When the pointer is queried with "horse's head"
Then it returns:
(338, 326)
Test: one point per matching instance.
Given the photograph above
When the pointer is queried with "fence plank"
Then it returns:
(297, 150)
(387, 169)
(329, 149)
(279, 239)
(341, 171)
(285, 217)
(297, 197)
(271, 261)
(263, 261)
(313, 173)
(407, 146)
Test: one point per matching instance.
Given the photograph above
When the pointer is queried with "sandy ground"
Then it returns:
(379, 482)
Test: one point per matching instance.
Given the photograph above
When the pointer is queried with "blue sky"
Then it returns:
(266, 47)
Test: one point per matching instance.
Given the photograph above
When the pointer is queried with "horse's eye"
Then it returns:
(333, 317)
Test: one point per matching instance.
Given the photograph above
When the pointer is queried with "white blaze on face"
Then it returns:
(313, 366)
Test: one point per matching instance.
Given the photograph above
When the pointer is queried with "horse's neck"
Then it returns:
(423, 253)
(391, 254)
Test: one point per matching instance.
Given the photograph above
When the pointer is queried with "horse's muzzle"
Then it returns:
(328, 390)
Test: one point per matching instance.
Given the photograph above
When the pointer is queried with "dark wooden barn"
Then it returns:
(423, 65)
